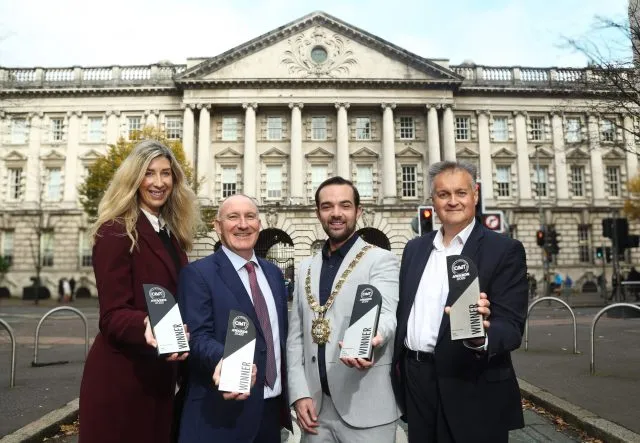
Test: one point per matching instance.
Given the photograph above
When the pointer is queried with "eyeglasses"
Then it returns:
(235, 218)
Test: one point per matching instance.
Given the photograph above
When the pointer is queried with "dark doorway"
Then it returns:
(375, 237)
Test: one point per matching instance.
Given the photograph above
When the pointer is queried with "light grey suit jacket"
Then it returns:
(363, 398)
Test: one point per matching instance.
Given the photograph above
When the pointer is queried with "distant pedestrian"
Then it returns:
(66, 291)
(60, 289)
(568, 283)
(72, 285)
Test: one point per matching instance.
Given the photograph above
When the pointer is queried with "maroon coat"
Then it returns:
(127, 391)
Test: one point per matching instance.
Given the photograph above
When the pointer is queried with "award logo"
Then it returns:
(363, 325)
(464, 292)
(166, 321)
(239, 347)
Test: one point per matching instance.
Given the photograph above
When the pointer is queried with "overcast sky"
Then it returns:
(60, 33)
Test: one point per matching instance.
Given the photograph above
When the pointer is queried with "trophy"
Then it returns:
(464, 288)
(363, 325)
(239, 347)
(166, 321)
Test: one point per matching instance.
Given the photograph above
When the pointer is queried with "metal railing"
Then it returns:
(12, 379)
(37, 337)
(573, 316)
(593, 329)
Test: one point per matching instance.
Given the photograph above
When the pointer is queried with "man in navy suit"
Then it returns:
(459, 391)
(234, 278)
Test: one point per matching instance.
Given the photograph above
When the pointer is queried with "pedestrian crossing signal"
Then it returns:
(540, 238)
(425, 219)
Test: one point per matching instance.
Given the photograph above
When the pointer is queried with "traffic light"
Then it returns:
(425, 219)
(553, 241)
(540, 238)
(599, 253)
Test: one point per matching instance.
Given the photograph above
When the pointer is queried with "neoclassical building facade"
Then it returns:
(317, 97)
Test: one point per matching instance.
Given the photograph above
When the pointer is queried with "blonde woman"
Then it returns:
(147, 218)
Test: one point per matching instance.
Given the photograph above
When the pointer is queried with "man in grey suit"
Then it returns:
(341, 399)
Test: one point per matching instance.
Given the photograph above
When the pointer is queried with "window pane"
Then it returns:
(318, 175)
(85, 249)
(406, 128)
(577, 181)
(229, 178)
(274, 181)
(503, 179)
(318, 128)
(54, 184)
(57, 129)
(173, 127)
(462, 128)
(19, 131)
(573, 130)
(229, 128)
(537, 129)
(363, 128)
(274, 128)
(500, 129)
(608, 131)
(409, 181)
(95, 130)
(134, 126)
(613, 180)
(364, 180)
(584, 251)
(14, 187)
(540, 179)
(46, 248)
(7, 246)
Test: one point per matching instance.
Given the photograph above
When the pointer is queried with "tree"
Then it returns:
(101, 172)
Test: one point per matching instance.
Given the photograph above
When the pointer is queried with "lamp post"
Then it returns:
(543, 224)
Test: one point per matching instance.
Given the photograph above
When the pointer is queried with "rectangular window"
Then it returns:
(407, 128)
(500, 129)
(94, 134)
(318, 175)
(134, 126)
(274, 181)
(229, 179)
(19, 131)
(229, 128)
(541, 180)
(7, 246)
(573, 130)
(54, 184)
(85, 249)
(409, 181)
(364, 180)
(318, 128)
(173, 127)
(363, 128)
(274, 128)
(613, 180)
(57, 129)
(462, 128)
(14, 184)
(46, 248)
(577, 181)
(584, 252)
(608, 131)
(537, 129)
(503, 179)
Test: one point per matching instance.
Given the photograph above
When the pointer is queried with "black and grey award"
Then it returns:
(464, 288)
(363, 325)
(166, 321)
(239, 346)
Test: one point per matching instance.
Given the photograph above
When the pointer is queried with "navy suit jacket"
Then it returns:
(209, 289)
(478, 390)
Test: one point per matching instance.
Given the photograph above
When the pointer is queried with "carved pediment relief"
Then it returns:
(319, 154)
(15, 157)
(52, 155)
(274, 153)
(577, 154)
(228, 153)
(614, 154)
(465, 151)
(409, 153)
(364, 153)
(503, 153)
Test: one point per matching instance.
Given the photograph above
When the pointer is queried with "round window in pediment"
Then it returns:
(319, 54)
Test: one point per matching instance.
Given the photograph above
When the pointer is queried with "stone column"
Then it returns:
(70, 173)
(188, 127)
(249, 170)
(522, 159)
(484, 150)
(630, 147)
(33, 173)
(389, 192)
(448, 131)
(433, 143)
(597, 167)
(204, 167)
(113, 127)
(296, 167)
(560, 158)
(342, 142)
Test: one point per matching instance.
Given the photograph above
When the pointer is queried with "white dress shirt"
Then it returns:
(428, 307)
(157, 222)
(238, 264)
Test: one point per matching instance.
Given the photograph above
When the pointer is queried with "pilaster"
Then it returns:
(389, 192)
(297, 166)
(249, 167)
(522, 159)
(204, 167)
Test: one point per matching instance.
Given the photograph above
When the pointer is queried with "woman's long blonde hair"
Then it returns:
(120, 204)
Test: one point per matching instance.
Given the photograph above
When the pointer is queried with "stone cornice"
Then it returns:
(91, 92)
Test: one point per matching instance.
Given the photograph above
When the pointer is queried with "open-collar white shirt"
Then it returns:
(428, 306)
(157, 222)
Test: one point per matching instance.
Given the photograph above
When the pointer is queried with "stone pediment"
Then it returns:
(15, 156)
(319, 153)
(274, 153)
(503, 153)
(228, 153)
(52, 155)
(318, 47)
(577, 154)
(408, 153)
(364, 153)
(91, 156)
(466, 152)
(543, 153)
(614, 154)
